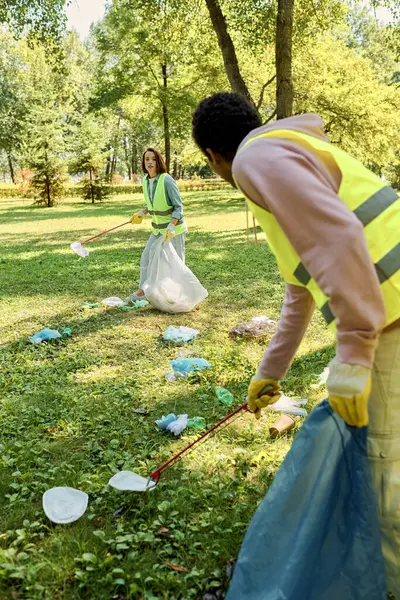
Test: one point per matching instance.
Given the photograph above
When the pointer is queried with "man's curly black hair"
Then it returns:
(221, 121)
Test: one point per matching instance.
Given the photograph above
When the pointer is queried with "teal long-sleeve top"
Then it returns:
(172, 194)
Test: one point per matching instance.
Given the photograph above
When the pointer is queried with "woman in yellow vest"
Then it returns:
(334, 228)
(164, 204)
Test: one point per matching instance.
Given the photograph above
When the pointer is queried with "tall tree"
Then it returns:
(227, 48)
(153, 49)
(283, 58)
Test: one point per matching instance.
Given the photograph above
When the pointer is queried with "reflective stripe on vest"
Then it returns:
(159, 209)
(374, 203)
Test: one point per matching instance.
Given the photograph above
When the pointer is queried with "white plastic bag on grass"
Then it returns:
(170, 285)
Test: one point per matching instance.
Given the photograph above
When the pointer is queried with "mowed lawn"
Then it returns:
(66, 407)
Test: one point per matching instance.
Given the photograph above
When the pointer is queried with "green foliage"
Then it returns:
(89, 158)
(361, 113)
(43, 19)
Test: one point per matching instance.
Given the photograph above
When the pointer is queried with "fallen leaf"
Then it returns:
(178, 568)
(163, 530)
(52, 429)
(2, 535)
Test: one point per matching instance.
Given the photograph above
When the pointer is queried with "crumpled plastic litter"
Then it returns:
(183, 366)
(176, 427)
(322, 379)
(44, 335)
(290, 406)
(173, 423)
(138, 304)
(79, 249)
(64, 504)
(87, 304)
(165, 421)
(257, 327)
(224, 396)
(180, 335)
(128, 481)
(196, 423)
(113, 301)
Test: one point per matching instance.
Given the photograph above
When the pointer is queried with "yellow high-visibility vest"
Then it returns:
(159, 209)
(375, 204)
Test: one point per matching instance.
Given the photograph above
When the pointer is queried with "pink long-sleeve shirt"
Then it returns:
(300, 188)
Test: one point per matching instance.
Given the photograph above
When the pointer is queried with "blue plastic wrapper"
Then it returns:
(180, 335)
(184, 366)
(315, 536)
(44, 335)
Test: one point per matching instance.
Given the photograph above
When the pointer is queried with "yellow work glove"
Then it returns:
(349, 388)
(261, 393)
(169, 232)
(137, 218)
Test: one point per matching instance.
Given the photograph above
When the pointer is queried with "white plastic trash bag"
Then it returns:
(171, 286)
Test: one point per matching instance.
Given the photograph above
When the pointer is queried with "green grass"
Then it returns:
(66, 408)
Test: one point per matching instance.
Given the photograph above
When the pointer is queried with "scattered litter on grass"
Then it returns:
(79, 249)
(64, 504)
(281, 426)
(113, 301)
(141, 411)
(165, 421)
(224, 396)
(257, 327)
(44, 335)
(322, 379)
(138, 304)
(181, 367)
(289, 406)
(176, 427)
(180, 335)
(196, 423)
(87, 304)
(127, 481)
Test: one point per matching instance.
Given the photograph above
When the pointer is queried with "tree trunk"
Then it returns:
(48, 194)
(227, 48)
(176, 166)
(128, 162)
(113, 164)
(108, 169)
(283, 59)
(11, 167)
(134, 157)
(167, 137)
(91, 185)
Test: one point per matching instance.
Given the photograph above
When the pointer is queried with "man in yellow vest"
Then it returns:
(334, 228)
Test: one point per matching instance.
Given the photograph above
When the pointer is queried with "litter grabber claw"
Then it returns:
(133, 482)
(83, 252)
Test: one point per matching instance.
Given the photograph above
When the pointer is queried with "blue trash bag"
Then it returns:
(315, 535)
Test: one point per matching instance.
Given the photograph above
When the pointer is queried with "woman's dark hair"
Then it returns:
(161, 167)
(222, 121)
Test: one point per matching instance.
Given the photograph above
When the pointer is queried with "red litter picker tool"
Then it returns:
(83, 252)
(130, 481)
